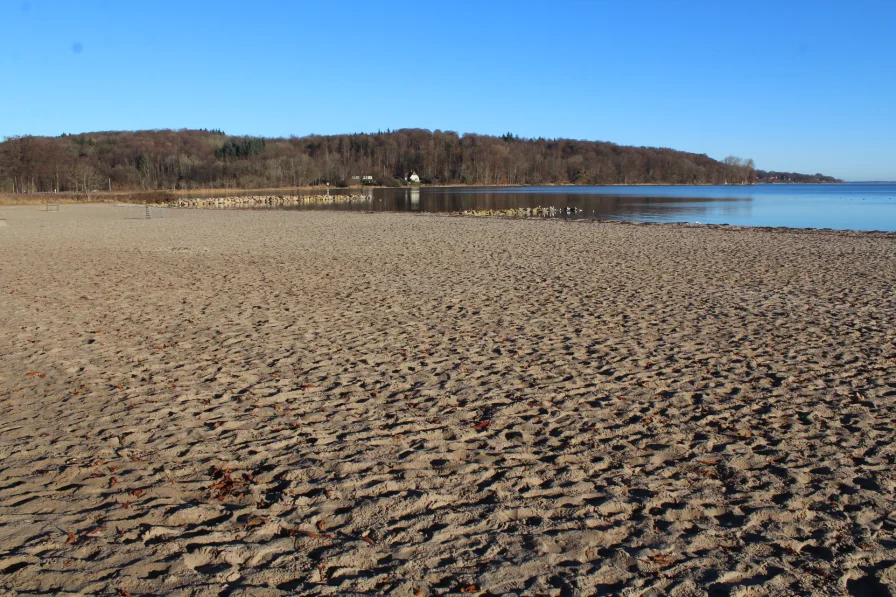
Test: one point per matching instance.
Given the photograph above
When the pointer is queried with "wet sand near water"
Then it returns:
(267, 403)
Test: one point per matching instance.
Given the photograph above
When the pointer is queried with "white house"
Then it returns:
(413, 177)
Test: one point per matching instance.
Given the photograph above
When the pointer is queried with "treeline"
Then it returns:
(188, 159)
(793, 177)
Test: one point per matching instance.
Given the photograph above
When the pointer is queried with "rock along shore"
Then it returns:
(522, 212)
(243, 201)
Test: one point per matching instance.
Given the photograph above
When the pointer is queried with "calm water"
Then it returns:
(855, 206)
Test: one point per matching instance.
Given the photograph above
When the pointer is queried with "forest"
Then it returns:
(793, 177)
(194, 159)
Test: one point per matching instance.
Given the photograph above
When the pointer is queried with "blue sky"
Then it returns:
(798, 85)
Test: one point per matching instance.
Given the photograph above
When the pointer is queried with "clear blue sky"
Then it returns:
(807, 86)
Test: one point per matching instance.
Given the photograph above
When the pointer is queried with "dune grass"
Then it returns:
(140, 197)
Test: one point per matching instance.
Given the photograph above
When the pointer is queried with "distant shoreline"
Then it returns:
(633, 184)
(42, 198)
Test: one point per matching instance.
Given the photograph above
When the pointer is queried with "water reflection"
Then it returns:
(605, 207)
(857, 206)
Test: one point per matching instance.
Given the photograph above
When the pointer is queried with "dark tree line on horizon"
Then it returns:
(191, 159)
(793, 177)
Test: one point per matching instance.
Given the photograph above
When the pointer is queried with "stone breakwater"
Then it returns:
(262, 200)
(523, 212)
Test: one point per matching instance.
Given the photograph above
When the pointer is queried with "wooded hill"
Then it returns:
(190, 159)
(793, 177)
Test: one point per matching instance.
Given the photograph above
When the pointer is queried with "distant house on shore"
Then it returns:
(413, 177)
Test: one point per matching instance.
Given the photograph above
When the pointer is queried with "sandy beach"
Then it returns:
(274, 402)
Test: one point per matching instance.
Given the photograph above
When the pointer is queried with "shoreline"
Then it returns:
(77, 197)
(278, 207)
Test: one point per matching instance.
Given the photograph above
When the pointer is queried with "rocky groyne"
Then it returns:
(266, 200)
(524, 212)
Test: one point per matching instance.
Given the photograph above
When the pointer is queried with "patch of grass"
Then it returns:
(140, 197)
(231, 192)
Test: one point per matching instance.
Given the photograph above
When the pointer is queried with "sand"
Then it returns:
(269, 402)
